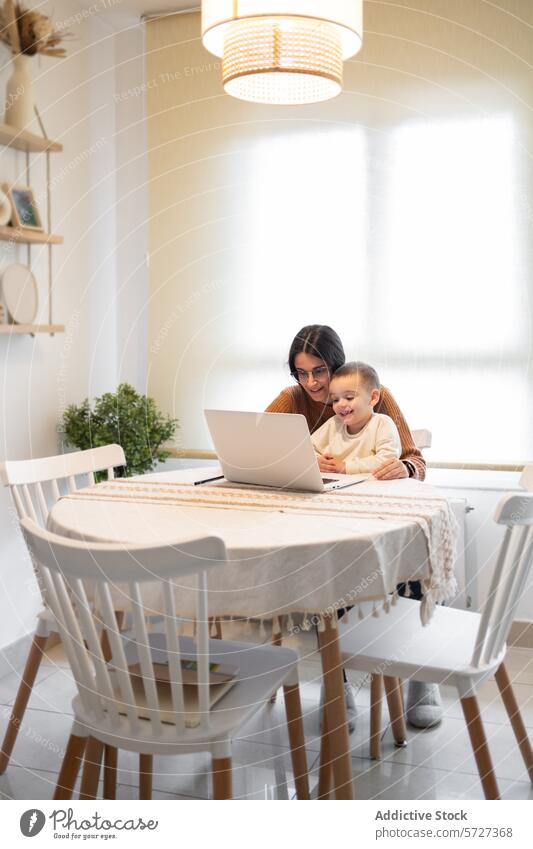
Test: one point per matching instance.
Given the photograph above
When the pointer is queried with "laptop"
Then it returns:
(270, 449)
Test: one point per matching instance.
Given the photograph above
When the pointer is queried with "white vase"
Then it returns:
(19, 105)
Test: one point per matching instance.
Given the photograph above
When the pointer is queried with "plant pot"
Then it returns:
(19, 106)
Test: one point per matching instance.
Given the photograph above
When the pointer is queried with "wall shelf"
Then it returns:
(29, 142)
(18, 236)
(10, 329)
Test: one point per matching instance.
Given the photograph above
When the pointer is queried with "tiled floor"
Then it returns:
(435, 764)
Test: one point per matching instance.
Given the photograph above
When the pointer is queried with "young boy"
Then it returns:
(356, 439)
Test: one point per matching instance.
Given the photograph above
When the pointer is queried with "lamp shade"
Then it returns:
(282, 51)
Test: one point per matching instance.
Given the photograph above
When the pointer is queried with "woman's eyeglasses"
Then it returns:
(319, 373)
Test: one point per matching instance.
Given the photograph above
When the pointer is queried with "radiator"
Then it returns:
(465, 595)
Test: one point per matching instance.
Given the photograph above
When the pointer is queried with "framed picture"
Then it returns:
(25, 211)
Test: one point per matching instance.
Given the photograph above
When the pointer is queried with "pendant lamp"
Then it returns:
(282, 51)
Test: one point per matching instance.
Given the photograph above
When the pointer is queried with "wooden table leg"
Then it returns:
(335, 708)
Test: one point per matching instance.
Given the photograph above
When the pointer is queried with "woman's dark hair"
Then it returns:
(320, 341)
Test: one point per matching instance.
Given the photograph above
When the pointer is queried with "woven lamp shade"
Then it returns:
(282, 52)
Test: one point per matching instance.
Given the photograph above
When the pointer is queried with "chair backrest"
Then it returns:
(422, 438)
(111, 694)
(510, 575)
(526, 478)
(35, 484)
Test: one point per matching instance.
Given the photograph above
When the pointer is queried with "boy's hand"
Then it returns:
(328, 463)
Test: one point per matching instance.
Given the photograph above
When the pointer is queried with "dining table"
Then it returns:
(290, 556)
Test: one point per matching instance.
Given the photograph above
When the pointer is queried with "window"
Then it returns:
(408, 245)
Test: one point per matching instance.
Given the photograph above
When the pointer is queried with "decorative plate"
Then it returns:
(5, 209)
(20, 294)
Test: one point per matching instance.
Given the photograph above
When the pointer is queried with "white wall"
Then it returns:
(99, 280)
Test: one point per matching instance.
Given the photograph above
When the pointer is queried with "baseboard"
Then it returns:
(521, 634)
(13, 657)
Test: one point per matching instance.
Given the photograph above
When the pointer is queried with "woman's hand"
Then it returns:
(328, 463)
(391, 470)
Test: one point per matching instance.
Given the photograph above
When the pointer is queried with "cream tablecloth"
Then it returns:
(309, 555)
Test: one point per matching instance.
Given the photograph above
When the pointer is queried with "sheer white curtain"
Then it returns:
(400, 213)
(409, 246)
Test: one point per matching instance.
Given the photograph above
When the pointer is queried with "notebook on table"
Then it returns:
(222, 677)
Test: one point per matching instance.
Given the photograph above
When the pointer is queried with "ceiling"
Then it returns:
(141, 7)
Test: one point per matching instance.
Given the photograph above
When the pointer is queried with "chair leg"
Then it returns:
(376, 695)
(110, 772)
(277, 639)
(479, 745)
(397, 718)
(325, 770)
(515, 717)
(217, 622)
(146, 765)
(222, 778)
(400, 687)
(70, 767)
(31, 669)
(293, 709)
(91, 769)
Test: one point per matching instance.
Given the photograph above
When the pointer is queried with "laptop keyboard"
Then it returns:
(329, 480)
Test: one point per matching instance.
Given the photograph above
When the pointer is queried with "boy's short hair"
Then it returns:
(366, 373)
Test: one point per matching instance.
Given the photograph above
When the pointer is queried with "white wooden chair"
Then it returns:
(35, 486)
(393, 686)
(422, 438)
(118, 707)
(459, 647)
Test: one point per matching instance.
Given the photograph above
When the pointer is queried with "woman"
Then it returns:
(316, 352)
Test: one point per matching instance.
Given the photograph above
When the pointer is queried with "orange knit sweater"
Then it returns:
(294, 399)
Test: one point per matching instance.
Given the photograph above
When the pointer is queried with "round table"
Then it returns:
(278, 563)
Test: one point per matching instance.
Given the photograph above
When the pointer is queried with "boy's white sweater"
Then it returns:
(362, 452)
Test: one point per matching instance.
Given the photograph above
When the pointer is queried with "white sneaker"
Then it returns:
(424, 706)
(351, 707)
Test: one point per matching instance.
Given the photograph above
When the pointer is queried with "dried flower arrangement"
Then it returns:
(29, 32)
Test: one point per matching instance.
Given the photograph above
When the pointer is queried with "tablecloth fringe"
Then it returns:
(284, 623)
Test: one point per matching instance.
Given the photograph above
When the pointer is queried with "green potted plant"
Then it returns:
(124, 417)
